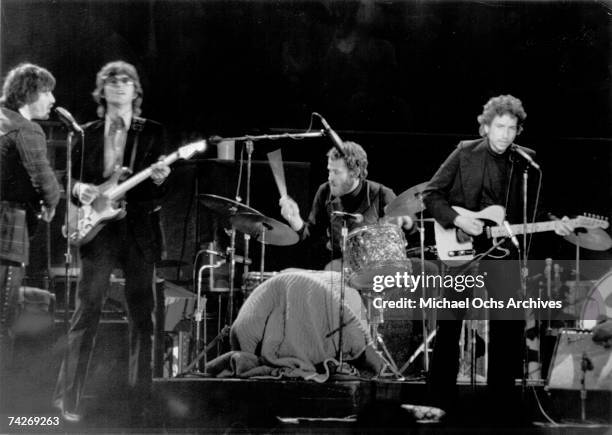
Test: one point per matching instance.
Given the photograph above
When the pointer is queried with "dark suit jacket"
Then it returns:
(377, 196)
(143, 201)
(459, 182)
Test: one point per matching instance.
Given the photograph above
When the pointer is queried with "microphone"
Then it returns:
(358, 217)
(508, 228)
(68, 119)
(526, 156)
(333, 135)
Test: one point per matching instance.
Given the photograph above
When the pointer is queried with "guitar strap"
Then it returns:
(509, 184)
(137, 125)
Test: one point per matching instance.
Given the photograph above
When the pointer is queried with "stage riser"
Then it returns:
(217, 403)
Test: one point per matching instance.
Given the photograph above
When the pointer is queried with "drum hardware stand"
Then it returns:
(263, 252)
(376, 318)
(577, 277)
(423, 295)
(586, 365)
(250, 147)
(200, 316)
(232, 258)
(344, 235)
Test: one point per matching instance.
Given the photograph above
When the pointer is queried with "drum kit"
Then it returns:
(368, 251)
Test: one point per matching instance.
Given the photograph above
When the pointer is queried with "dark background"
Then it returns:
(406, 79)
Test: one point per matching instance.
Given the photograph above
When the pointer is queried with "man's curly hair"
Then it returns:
(23, 84)
(354, 157)
(499, 106)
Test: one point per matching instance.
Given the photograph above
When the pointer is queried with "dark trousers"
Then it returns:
(506, 340)
(113, 247)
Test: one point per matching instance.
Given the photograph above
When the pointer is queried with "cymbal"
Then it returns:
(277, 233)
(595, 239)
(408, 203)
(224, 206)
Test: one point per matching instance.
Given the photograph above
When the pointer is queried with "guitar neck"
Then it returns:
(120, 190)
(536, 227)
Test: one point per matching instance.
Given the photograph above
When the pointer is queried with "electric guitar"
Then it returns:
(86, 221)
(455, 247)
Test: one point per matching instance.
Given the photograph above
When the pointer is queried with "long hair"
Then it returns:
(115, 68)
(499, 106)
(23, 84)
(355, 158)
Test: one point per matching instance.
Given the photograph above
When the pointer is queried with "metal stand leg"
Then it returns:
(375, 318)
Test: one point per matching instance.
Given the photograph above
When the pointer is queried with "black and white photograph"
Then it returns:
(306, 216)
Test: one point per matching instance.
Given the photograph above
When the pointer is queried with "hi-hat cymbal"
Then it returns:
(408, 203)
(595, 239)
(277, 233)
(224, 206)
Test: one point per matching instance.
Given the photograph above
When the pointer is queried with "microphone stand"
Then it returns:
(524, 272)
(68, 254)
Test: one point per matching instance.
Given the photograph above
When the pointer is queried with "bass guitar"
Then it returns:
(455, 247)
(86, 221)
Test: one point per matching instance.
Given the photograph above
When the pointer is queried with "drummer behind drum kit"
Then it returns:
(371, 250)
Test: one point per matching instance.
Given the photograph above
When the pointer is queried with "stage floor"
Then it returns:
(205, 405)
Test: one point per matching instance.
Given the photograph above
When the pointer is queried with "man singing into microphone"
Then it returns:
(347, 190)
(477, 174)
(26, 179)
(121, 138)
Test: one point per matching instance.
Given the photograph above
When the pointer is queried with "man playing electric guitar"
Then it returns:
(478, 174)
(119, 139)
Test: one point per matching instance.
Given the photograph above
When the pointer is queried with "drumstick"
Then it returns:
(276, 164)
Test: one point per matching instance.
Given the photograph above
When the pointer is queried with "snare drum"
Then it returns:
(253, 279)
(374, 250)
(598, 303)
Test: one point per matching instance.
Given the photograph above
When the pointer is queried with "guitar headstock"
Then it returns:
(187, 151)
(589, 220)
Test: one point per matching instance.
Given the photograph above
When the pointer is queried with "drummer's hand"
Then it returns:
(469, 225)
(564, 227)
(405, 222)
(291, 212)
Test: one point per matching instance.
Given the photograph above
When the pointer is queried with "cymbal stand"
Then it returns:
(577, 278)
(344, 235)
(423, 295)
(263, 253)
(250, 147)
(232, 258)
